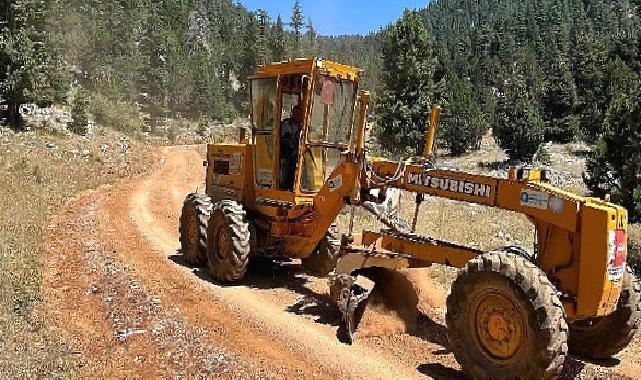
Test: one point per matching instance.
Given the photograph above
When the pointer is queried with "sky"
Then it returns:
(335, 17)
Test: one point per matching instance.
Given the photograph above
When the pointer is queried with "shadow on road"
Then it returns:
(264, 274)
(439, 371)
(270, 274)
(178, 258)
(432, 331)
(571, 370)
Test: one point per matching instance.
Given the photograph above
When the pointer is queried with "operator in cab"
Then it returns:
(290, 130)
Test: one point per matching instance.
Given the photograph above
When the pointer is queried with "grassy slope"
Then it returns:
(34, 180)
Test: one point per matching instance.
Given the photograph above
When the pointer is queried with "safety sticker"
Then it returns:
(335, 183)
(264, 177)
(557, 204)
(617, 252)
(327, 93)
(236, 164)
(536, 199)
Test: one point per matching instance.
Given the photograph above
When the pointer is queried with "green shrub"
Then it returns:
(79, 112)
(543, 155)
(119, 115)
(634, 249)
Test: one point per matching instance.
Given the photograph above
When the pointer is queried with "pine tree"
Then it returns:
(250, 57)
(311, 36)
(154, 74)
(620, 78)
(589, 60)
(278, 42)
(30, 71)
(463, 125)
(263, 22)
(518, 125)
(615, 165)
(297, 23)
(559, 99)
(405, 103)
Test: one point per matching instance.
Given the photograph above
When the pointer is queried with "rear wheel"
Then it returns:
(228, 241)
(193, 228)
(324, 258)
(505, 320)
(604, 337)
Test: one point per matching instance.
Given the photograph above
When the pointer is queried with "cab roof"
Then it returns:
(309, 66)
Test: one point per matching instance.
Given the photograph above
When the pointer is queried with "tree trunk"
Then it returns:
(13, 117)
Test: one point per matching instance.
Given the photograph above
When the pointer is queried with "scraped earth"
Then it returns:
(127, 305)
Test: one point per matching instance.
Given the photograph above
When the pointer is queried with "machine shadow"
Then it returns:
(572, 368)
(431, 331)
(265, 274)
(271, 274)
(439, 371)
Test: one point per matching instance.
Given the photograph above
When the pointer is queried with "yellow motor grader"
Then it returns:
(510, 314)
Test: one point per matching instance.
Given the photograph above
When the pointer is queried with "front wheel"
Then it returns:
(505, 320)
(604, 337)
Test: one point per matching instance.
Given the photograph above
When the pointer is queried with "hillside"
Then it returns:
(154, 60)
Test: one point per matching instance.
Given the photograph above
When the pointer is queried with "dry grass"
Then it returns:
(477, 226)
(35, 178)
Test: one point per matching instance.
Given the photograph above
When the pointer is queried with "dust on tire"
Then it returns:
(542, 351)
(228, 242)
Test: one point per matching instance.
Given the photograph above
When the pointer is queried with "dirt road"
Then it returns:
(127, 304)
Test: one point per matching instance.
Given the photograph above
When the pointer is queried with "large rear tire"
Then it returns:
(604, 337)
(193, 228)
(505, 320)
(324, 258)
(228, 242)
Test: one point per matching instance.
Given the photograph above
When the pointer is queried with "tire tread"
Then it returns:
(203, 207)
(233, 266)
(551, 327)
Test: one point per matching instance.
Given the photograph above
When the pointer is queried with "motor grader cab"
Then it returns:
(510, 314)
(273, 185)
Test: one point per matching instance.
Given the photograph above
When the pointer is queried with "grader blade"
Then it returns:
(352, 305)
(351, 294)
